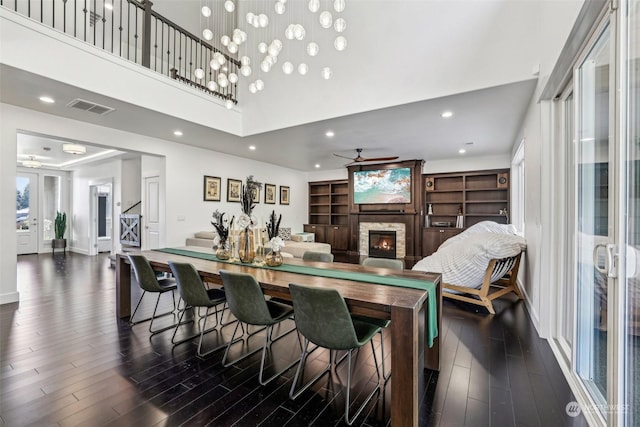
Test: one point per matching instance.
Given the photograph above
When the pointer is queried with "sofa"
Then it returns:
(291, 246)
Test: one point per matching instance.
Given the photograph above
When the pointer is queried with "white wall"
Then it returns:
(186, 212)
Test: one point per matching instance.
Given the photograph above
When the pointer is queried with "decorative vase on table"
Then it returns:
(276, 243)
(247, 243)
(247, 247)
(223, 248)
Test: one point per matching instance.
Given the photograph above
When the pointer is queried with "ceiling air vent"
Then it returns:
(81, 104)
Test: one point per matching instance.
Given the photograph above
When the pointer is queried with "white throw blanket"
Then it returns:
(463, 259)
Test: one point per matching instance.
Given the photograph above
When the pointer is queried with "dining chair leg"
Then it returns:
(350, 420)
(293, 394)
(385, 375)
(267, 344)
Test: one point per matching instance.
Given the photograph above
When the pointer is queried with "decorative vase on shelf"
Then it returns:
(247, 248)
(274, 259)
(224, 251)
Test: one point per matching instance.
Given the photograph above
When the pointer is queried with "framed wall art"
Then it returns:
(284, 195)
(270, 194)
(212, 188)
(234, 190)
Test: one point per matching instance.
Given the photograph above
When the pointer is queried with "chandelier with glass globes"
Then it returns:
(266, 43)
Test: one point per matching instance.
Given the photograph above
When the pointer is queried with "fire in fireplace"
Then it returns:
(382, 244)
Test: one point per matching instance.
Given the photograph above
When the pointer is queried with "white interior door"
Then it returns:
(151, 215)
(27, 212)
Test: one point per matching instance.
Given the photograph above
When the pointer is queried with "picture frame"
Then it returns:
(234, 190)
(211, 188)
(284, 195)
(256, 195)
(270, 194)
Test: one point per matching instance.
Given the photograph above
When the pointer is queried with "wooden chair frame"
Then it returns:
(482, 295)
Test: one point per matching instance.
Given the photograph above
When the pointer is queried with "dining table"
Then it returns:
(412, 300)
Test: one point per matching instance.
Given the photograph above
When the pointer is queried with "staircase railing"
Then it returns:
(133, 31)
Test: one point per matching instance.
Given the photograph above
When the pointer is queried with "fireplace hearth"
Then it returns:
(382, 244)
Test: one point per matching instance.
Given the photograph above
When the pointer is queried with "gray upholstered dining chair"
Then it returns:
(149, 282)
(248, 304)
(323, 318)
(317, 256)
(196, 295)
(392, 264)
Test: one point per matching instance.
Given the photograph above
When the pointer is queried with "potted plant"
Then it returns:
(60, 226)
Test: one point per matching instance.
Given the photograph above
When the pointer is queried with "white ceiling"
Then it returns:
(474, 58)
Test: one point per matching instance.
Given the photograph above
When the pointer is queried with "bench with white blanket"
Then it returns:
(479, 264)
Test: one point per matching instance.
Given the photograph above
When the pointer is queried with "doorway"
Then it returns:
(101, 211)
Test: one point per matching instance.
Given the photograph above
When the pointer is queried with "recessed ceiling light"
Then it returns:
(330, 134)
(317, 165)
(47, 99)
(252, 147)
(462, 151)
(447, 114)
(177, 132)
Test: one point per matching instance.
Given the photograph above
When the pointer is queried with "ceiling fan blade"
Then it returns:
(344, 157)
(376, 159)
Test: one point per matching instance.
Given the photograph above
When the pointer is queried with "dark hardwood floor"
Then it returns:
(67, 360)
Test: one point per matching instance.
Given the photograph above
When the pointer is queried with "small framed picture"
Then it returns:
(284, 195)
(270, 194)
(256, 195)
(212, 188)
(234, 190)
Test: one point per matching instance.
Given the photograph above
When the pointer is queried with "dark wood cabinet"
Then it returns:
(329, 213)
(455, 201)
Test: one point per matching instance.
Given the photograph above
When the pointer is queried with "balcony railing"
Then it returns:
(132, 30)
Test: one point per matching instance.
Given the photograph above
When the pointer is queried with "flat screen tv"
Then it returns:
(382, 186)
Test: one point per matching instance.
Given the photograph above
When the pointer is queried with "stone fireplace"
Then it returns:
(382, 232)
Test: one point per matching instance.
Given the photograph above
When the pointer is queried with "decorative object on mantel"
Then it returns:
(222, 246)
(247, 241)
(460, 218)
(276, 243)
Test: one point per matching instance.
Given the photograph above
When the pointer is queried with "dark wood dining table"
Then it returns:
(407, 308)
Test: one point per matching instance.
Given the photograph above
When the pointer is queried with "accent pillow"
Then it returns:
(284, 233)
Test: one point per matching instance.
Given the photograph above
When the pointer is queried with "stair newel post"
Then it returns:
(146, 34)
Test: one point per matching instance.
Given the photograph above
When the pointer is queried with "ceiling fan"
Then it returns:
(359, 158)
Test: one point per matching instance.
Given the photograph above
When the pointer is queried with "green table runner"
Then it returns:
(424, 285)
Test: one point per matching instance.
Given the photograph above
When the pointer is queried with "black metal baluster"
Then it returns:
(85, 20)
(135, 51)
(155, 46)
(53, 12)
(180, 50)
(104, 21)
(64, 16)
(75, 17)
(112, 25)
(120, 30)
(95, 12)
(128, 31)
(41, 9)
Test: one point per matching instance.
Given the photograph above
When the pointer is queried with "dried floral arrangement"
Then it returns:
(246, 198)
(220, 225)
(273, 226)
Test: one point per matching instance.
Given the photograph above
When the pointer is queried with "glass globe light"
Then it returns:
(243, 36)
(277, 43)
(327, 73)
(222, 76)
(249, 17)
(199, 73)
(233, 47)
(245, 70)
(313, 49)
(206, 12)
(283, 1)
(262, 47)
(223, 83)
(229, 6)
(340, 43)
(263, 20)
(314, 6)
(287, 67)
(326, 20)
(253, 88)
(212, 86)
(288, 33)
(233, 78)
(229, 104)
(299, 32)
(340, 25)
(225, 40)
(237, 39)
(259, 84)
(255, 21)
(338, 5)
(280, 8)
(221, 59)
(245, 60)
(214, 64)
(207, 34)
(265, 66)
(273, 50)
(303, 69)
